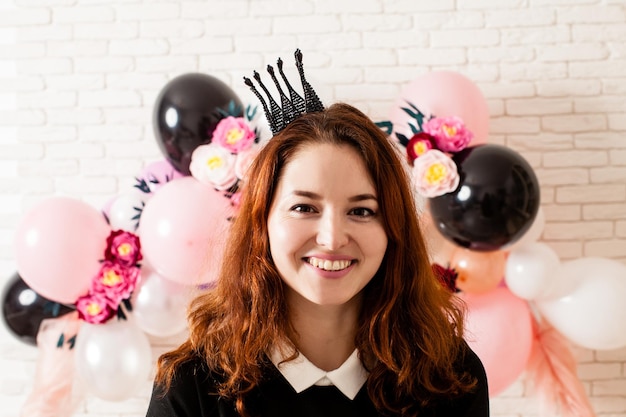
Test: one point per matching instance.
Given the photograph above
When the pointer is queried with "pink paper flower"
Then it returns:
(418, 145)
(244, 160)
(214, 165)
(123, 248)
(94, 308)
(115, 282)
(234, 134)
(450, 133)
(435, 174)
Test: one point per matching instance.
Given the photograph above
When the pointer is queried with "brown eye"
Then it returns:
(303, 208)
(362, 212)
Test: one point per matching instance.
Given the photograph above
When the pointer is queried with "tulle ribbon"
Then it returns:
(55, 393)
(552, 373)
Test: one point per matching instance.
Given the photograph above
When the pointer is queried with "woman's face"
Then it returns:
(325, 230)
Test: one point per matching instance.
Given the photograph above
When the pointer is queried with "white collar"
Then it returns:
(302, 374)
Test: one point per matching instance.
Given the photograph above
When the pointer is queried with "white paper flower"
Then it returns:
(215, 165)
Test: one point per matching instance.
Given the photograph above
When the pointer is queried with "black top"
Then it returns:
(190, 396)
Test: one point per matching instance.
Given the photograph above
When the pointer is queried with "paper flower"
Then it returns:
(234, 134)
(123, 248)
(446, 276)
(418, 145)
(215, 165)
(94, 308)
(244, 160)
(115, 282)
(450, 133)
(435, 174)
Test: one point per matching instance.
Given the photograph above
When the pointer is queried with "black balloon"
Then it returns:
(495, 203)
(23, 310)
(186, 112)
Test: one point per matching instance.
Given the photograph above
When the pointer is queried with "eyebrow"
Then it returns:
(355, 198)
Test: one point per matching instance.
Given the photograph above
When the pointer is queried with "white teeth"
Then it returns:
(329, 265)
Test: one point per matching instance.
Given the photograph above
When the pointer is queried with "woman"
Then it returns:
(326, 303)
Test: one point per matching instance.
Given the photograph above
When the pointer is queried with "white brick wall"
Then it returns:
(78, 79)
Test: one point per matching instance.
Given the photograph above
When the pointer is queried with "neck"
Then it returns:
(324, 334)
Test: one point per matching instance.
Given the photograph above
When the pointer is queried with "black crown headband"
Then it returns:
(291, 107)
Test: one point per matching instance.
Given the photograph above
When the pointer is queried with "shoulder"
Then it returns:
(193, 392)
(474, 403)
(469, 362)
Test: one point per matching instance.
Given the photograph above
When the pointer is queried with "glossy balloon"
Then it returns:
(156, 174)
(23, 310)
(478, 272)
(499, 330)
(58, 246)
(443, 94)
(125, 210)
(495, 203)
(160, 305)
(113, 360)
(183, 231)
(531, 270)
(186, 114)
(589, 307)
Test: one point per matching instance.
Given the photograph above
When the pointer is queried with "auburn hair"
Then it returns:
(410, 329)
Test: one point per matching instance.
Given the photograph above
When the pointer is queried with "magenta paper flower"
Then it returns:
(123, 248)
(435, 174)
(214, 165)
(244, 160)
(116, 282)
(94, 308)
(418, 145)
(450, 133)
(234, 134)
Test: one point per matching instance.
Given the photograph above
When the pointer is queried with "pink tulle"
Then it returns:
(552, 373)
(55, 393)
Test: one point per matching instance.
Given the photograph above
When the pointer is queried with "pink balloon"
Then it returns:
(183, 229)
(499, 330)
(443, 93)
(157, 174)
(59, 244)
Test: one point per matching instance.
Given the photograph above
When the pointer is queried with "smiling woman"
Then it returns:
(326, 238)
(326, 304)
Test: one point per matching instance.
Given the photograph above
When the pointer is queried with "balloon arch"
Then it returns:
(101, 281)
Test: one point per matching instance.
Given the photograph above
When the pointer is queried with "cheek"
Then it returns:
(283, 237)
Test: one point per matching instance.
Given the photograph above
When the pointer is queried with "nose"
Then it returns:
(332, 232)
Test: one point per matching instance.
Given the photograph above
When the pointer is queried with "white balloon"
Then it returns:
(530, 270)
(113, 359)
(160, 305)
(125, 209)
(591, 309)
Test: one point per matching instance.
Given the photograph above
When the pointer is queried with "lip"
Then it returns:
(330, 274)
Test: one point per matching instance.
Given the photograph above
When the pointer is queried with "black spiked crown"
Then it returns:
(291, 107)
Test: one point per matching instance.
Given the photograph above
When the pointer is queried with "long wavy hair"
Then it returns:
(409, 330)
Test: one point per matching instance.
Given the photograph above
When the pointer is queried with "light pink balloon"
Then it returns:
(157, 174)
(183, 229)
(443, 93)
(499, 330)
(59, 244)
